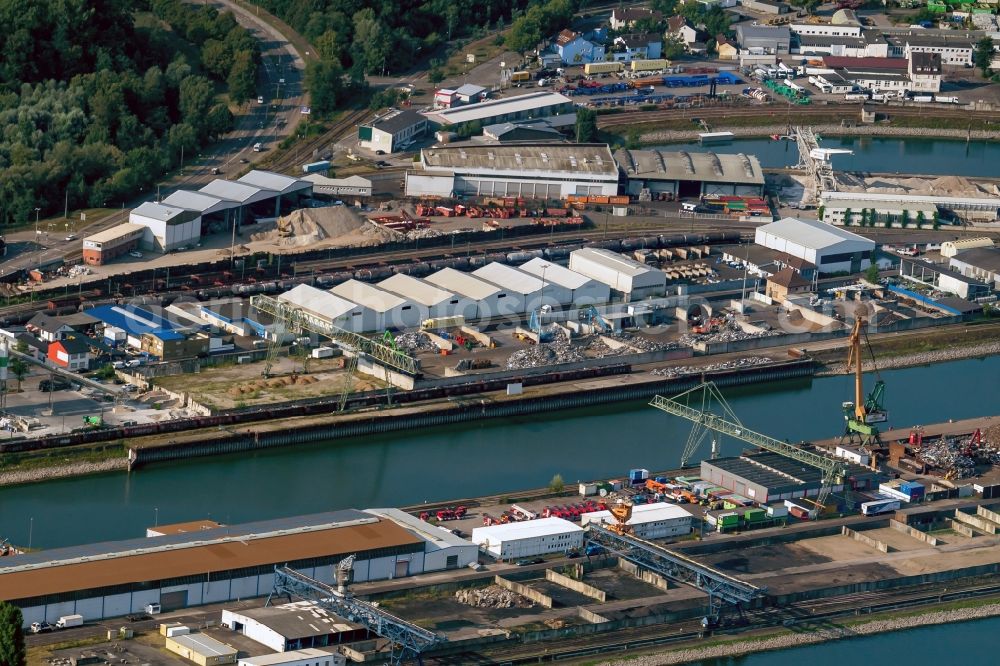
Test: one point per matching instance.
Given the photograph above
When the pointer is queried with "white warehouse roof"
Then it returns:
(463, 283)
(318, 302)
(615, 270)
(527, 529)
(157, 211)
(277, 182)
(810, 233)
(641, 513)
(509, 278)
(198, 201)
(293, 656)
(240, 192)
(497, 107)
(416, 290)
(368, 295)
(556, 274)
(592, 161)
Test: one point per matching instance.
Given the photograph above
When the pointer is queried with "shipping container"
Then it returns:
(520, 77)
(603, 67)
(728, 519)
(876, 507)
(315, 167)
(649, 65)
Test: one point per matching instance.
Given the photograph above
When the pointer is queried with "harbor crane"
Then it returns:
(865, 411)
(289, 318)
(834, 470)
(407, 641)
(724, 591)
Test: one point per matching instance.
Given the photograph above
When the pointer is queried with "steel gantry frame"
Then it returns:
(406, 640)
(721, 588)
(834, 470)
(294, 319)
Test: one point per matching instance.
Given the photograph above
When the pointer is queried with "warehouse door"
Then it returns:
(402, 568)
(173, 600)
(688, 189)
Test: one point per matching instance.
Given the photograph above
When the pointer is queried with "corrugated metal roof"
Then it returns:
(318, 302)
(114, 233)
(509, 278)
(277, 182)
(577, 158)
(643, 513)
(199, 201)
(157, 211)
(260, 543)
(434, 533)
(524, 530)
(131, 319)
(416, 290)
(555, 273)
(350, 181)
(204, 645)
(498, 107)
(684, 165)
(368, 295)
(811, 233)
(463, 283)
(614, 261)
(227, 189)
(278, 658)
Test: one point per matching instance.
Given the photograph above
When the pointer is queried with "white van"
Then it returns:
(692, 207)
(257, 147)
(153, 609)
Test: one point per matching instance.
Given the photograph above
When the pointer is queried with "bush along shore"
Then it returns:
(905, 360)
(789, 640)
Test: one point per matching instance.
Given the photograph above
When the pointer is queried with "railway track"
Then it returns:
(303, 151)
(645, 638)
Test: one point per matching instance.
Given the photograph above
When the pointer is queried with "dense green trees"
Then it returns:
(96, 109)
(983, 55)
(11, 635)
(586, 125)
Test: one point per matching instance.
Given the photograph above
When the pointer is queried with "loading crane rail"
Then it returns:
(296, 320)
(718, 585)
(411, 639)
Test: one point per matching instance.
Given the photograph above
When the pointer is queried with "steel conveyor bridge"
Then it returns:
(721, 588)
(406, 640)
(295, 319)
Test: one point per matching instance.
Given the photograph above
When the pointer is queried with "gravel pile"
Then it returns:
(814, 635)
(678, 370)
(493, 596)
(559, 351)
(414, 341)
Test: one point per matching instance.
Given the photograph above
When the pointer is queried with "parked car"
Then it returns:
(260, 99)
(41, 627)
(130, 388)
(49, 385)
(524, 563)
(71, 237)
(136, 254)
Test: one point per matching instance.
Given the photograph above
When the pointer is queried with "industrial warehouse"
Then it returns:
(199, 566)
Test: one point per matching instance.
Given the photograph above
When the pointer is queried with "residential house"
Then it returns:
(626, 18)
(33, 346)
(638, 46)
(726, 49)
(679, 27)
(48, 328)
(574, 49)
(71, 353)
(785, 282)
(925, 71)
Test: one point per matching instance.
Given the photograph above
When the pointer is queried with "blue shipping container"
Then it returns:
(313, 167)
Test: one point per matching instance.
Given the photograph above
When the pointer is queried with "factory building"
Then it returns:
(290, 193)
(125, 325)
(486, 299)
(392, 132)
(202, 649)
(431, 300)
(512, 541)
(111, 243)
(942, 278)
(442, 549)
(542, 172)
(293, 626)
(770, 477)
(544, 104)
(340, 187)
(216, 214)
(167, 227)
(305, 657)
(529, 289)
(383, 310)
(978, 263)
(832, 249)
(252, 202)
(649, 521)
(204, 566)
(690, 175)
(877, 212)
(632, 280)
(582, 290)
(327, 308)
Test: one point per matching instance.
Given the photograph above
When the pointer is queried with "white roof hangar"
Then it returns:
(634, 280)
(303, 657)
(199, 201)
(584, 290)
(241, 193)
(276, 182)
(649, 521)
(832, 249)
(690, 174)
(522, 107)
(390, 311)
(442, 548)
(487, 299)
(433, 301)
(168, 227)
(328, 308)
(532, 290)
(292, 626)
(540, 171)
(528, 538)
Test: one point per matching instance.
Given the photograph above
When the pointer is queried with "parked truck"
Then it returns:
(67, 621)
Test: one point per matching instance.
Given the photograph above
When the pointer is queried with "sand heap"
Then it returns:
(945, 186)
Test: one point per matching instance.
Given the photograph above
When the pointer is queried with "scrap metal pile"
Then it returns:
(643, 344)
(549, 353)
(678, 370)
(958, 457)
(492, 596)
(727, 330)
(414, 342)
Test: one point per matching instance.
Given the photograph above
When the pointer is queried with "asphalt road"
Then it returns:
(266, 124)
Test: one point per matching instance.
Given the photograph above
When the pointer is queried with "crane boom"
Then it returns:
(854, 361)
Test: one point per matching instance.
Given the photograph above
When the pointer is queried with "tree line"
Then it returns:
(95, 109)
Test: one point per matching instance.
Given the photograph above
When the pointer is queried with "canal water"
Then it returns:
(961, 643)
(874, 154)
(460, 461)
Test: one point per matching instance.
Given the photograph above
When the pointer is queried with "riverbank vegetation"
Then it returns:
(100, 98)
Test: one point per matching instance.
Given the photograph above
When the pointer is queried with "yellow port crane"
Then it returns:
(863, 412)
